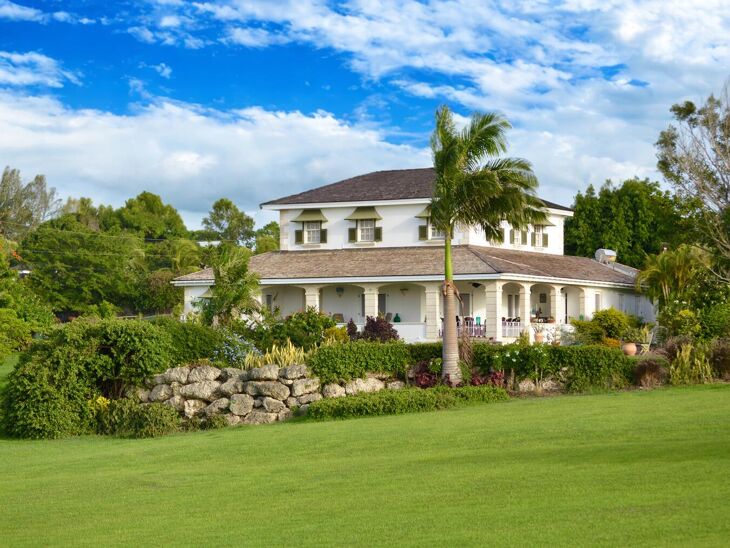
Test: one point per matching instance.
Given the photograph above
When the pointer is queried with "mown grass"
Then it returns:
(631, 468)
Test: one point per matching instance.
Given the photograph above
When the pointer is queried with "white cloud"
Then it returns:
(254, 37)
(16, 12)
(163, 70)
(189, 155)
(31, 69)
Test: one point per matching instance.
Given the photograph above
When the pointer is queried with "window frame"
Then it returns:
(434, 233)
(359, 228)
(307, 229)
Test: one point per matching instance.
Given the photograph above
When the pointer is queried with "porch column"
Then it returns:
(371, 300)
(525, 293)
(311, 296)
(555, 301)
(582, 313)
(493, 310)
(433, 319)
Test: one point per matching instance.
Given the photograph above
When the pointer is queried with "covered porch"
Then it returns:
(494, 310)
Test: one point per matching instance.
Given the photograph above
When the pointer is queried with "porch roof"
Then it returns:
(428, 261)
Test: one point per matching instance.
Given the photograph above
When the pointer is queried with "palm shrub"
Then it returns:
(691, 365)
(475, 187)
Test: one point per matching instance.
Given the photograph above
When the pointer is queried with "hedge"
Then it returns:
(344, 362)
(407, 400)
(48, 391)
(190, 341)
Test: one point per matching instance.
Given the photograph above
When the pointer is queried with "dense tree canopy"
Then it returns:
(267, 237)
(636, 218)
(229, 224)
(151, 218)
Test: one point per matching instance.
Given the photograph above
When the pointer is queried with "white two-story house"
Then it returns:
(365, 246)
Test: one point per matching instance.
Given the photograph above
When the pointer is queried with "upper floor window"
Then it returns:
(366, 230)
(539, 236)
(518, 237)
(312, 232)
(435, 233)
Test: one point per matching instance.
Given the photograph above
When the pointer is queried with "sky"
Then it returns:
(256, 99)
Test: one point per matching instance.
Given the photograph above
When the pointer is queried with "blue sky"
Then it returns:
(253, 99)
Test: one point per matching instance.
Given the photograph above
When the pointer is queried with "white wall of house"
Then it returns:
(347, 302)
(191, 295)
(400, 228)
(288, 299)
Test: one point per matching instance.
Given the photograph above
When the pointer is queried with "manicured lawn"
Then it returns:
(633, 468)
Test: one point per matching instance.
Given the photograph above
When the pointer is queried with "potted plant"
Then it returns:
(630, 337)
(539, 334)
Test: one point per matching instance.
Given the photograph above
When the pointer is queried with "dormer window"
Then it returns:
(429, 231)
(311, 232)
(365, 229)
(539, 236)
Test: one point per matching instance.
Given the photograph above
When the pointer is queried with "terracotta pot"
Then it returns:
(629, 348)
(539, 337)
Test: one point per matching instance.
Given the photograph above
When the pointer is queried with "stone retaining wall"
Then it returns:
(255, 396)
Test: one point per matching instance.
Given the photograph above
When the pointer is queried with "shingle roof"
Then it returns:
(428, 261)
(399, 184)
(204, 275)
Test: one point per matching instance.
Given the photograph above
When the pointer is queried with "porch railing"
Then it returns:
(474, 330)
(512, 329)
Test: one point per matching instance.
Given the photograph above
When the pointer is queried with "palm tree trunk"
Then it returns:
(450, 367)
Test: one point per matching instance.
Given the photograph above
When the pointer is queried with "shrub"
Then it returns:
(425, 351)
(408, 400)
(682, 322)
(613, 322)
(336, 334)
(234, 351)
(651, 370)
(586, 368)
(352, 332)
(343, 362)
(15, 334)
(587, 332)
(378, 329)
(191, 341)
(283, 356)
(691, 365)
(126, 418)
(720, 358)
(715, 321)
(304, 329)
(48, 390)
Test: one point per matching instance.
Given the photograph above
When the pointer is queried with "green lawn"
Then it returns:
(632, 468)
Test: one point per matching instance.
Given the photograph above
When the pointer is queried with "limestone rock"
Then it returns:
(304, 386)
(233, 420)
(241, 404)
(272, 389)
(193, 407)
(364, 385)
(176, 386)
(142, 395)
(309, 398)
(161, 392)
(526, 386)
(396, 385)
(178, 402)
(293, 372)
(265, 373)
(231, 386)
(284, 414)
(287, 382)
(333, 391)
(204, 390)
(291, 402)
(158, 379)
(260, 417)
(177, 374)
(258, 402)
(218, 406)
(203, 373)
(550, 385)
(228, 373)
(273, 406)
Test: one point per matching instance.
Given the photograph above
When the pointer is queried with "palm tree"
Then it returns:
(475, 187)
(671, 273)
(234, 289)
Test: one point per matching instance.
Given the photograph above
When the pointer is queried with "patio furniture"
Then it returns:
(338, 317)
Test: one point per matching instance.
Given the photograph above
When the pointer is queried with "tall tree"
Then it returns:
(148, 216)
(694, 156)
(267, 238)
(635, 218)
(476, 187)
(671, 274)
(229, 223)
(23, 206)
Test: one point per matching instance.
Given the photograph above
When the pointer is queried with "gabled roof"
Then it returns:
(399, 184)
(205, 275)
